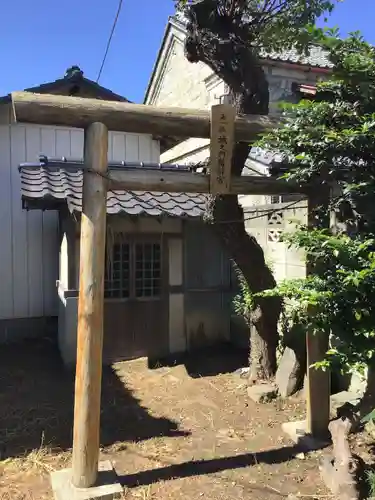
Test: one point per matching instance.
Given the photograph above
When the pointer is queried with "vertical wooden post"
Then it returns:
(318, 381)
(318, 386)
(90, 309)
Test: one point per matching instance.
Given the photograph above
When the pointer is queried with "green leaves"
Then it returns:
(244, 301)
(272, 25)
(370, 417)
(342, 294)
(332, 138)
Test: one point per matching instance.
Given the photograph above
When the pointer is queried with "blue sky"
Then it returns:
(41, 38)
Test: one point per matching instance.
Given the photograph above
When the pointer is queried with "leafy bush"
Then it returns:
(330, 141)
(340, 299)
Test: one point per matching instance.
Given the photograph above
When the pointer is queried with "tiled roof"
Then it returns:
(266, 158)
(73, 83)
(317, 57)
(55, 184)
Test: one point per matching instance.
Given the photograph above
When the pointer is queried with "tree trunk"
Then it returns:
(370, 386)
(228, 222)
(216, 40)
(367, 403)
(262, 357)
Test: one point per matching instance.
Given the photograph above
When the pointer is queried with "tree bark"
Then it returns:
(367, 403)
(215, 38)
(369, 395)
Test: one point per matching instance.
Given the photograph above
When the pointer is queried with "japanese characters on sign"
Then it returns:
(222, 142)
(223, 146)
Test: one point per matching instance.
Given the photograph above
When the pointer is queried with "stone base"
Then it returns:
(297, 431)
(343, 398)
(107, 487)
(262, 393)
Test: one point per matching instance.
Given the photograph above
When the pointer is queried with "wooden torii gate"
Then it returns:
(96, 117)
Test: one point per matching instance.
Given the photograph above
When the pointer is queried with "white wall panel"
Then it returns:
(6, 206)
(29, 246)
(19, 227)
(36, 258)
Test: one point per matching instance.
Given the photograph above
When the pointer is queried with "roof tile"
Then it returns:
(59, 184)
(317, 56)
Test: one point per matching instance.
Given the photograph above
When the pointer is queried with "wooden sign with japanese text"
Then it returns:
(221, 147)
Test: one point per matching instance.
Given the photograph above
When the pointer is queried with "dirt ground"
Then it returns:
(174, 432)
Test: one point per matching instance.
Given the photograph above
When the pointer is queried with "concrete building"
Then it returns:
(291, 76)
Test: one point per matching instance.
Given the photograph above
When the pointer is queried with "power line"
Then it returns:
(110, 39)
(64, 163)
(263, 212)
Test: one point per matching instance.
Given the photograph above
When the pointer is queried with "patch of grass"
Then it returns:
(15, 495)
(370, 479)
(39, 460)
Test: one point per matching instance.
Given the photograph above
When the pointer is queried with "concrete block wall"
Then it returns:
(285, 262)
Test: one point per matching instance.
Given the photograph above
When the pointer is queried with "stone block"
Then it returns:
(262, 393)
(107, 487)
(357, 384)
(297, 431)
(290, 373)
(343, 402)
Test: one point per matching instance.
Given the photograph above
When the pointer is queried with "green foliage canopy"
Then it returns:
(272, 25)
(332, 140)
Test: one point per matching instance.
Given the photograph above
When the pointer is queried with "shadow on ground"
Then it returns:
(210, 361)
(201, 467)
(37, 396)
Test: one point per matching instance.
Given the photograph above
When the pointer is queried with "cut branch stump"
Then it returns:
(339, 472)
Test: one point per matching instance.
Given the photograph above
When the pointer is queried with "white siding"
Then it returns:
(29, 246)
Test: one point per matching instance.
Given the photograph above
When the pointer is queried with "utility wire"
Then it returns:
(110, 39)
(264, 212)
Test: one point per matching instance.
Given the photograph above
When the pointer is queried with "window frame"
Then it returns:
(120, 240)
(133, 241)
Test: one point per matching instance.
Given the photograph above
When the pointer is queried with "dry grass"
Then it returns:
(42, 459)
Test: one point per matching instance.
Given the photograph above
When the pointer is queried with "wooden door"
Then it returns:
(135, 305)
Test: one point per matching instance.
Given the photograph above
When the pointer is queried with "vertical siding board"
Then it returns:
(155, 151)
(145, 148)
(62, 143)
(6, 282)
(19, 226)
(132, 147)
(118, 152)
(110, 146)
(76, 143)
(207, 311)
(34, 235)
(203, 257)
(49, 140)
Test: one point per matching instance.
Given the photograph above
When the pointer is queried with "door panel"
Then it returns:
(134, 321)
